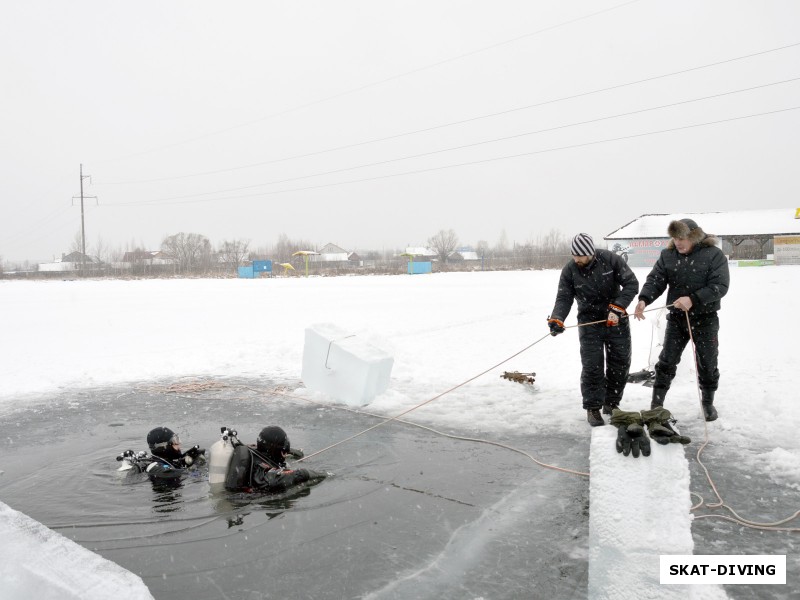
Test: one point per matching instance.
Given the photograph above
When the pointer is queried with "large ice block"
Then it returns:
(343, 366)
(639, 509)
(36, 562)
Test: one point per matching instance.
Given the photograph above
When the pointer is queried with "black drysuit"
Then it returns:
(250, 471)
(703, 276)
(606, 280)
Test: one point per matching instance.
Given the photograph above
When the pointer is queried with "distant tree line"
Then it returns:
(193, 255)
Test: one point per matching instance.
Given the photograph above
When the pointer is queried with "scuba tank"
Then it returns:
(240, 468)
(133, 460)
(221, 453)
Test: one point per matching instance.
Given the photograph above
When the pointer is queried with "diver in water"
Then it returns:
(167, 462)
(264, 468)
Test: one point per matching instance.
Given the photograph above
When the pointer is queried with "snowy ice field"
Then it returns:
(441, 329)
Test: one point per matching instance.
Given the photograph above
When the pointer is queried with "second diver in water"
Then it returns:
(263, 468)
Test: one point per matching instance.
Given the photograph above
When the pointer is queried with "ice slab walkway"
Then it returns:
(639, 509)
(36, 562)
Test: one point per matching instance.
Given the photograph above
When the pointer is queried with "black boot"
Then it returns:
(594, 417)
(658, 398)
(707, 399)
(607, 408)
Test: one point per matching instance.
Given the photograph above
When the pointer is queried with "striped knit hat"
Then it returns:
(582, 245)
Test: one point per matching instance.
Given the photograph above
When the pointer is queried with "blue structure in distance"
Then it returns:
(418, 268)
(256, 269)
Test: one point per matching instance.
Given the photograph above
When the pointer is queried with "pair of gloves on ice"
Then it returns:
(631, 435)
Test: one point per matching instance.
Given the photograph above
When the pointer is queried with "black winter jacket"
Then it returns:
(702, 275)
(606, 280)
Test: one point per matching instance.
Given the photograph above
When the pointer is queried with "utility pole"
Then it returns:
(83, 226)
(83, 221)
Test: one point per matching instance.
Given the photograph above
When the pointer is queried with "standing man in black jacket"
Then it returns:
(696, 272)
(603, 285)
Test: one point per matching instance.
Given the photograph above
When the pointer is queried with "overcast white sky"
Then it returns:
(227, 119)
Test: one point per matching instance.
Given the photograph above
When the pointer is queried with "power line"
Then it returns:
(37, 225)
(466, 164)
(379, 82)
(460, 122)
(474, 144)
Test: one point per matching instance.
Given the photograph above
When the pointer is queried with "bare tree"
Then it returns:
(443, 243)
(101, 250)
(234, 252)
(501, 248)
(285, 247)
(552, 250)
(77, 243)
(190, 251)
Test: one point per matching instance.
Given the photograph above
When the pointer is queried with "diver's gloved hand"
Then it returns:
(296, 452)
(631, 437)
(312, 474)
(192, 454)
(659, 423)
(194, 451)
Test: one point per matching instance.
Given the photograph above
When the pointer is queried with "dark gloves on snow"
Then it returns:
(631, 437)
(659, 423)
(556, 326)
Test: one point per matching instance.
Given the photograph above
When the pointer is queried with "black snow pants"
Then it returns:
(705, 331)
(606, 360)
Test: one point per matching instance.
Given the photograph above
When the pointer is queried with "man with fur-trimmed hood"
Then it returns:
(696, 272)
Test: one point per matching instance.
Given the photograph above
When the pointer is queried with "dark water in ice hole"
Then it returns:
(468, 520)
(407, 514)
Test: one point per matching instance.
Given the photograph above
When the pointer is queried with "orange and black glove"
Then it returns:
(556, 326)
(615, 313)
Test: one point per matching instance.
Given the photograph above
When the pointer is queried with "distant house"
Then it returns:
(136, 259)
(467, 253)
(74, 261)
(331, 253)
(420, 252)
(748, 234)
(138, 256)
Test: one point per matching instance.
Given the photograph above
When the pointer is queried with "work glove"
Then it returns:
(296, 452)
(631, 436)
(659, 423)
(556, 326)
(615, 313)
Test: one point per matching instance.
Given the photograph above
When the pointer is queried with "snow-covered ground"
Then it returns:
(441, 329)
